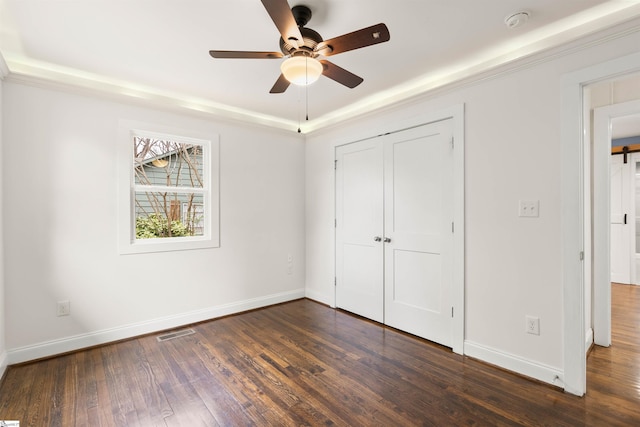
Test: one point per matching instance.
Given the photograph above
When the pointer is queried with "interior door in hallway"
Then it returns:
(621, 214)
(393, 230)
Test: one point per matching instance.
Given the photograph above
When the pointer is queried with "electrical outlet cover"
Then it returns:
(529, 208)
(63, 308)
(532, 325)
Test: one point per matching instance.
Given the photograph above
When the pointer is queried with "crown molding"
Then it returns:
(589, 29)
(539, 50)
(4, 69)
(49, 76)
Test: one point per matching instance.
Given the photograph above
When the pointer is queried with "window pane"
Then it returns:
(168, 189)
(160, 215)
(166, 162)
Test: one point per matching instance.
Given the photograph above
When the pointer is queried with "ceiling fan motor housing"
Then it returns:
(310, 38)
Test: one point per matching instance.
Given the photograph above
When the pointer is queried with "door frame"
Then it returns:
(575, 178)
(456, 114)
(602, 123)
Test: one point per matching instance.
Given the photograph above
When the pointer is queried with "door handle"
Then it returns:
(377, 238)
(625, 219)
(387, 239)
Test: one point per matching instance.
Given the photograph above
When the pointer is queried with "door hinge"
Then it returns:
(581, 255)
(335, 165)
(453, 228)
(452, 143)
(335, 223)
(451, 311)
(335, 281)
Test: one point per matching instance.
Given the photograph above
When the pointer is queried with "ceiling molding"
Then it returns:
(4, 69)
(523, 56)
(588, 30)
(50, 76)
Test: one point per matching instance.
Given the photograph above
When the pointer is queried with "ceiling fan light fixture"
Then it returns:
(301, 70)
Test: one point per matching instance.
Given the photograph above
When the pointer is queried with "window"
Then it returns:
(170, 201)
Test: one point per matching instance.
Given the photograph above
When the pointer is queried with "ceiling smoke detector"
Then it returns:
(517, 19)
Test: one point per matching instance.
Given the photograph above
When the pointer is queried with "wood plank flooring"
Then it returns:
(304, 364)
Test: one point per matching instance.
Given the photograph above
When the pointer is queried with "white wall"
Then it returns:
(3, 347)
(512, 139)
(60, 177)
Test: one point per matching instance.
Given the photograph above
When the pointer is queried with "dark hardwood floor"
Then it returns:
(302, 363)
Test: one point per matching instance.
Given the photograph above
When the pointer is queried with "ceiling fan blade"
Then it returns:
(365, 37)
(281, 15)
(281, 85)
(239, 54)
(340, 75)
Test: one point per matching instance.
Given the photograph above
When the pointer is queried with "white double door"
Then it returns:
(394, 237)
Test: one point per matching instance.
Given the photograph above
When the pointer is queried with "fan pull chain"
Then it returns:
(306, 98)
(306, 94)
(299, 131)
(306, 88)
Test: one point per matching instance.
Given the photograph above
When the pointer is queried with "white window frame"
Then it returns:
(127, 242)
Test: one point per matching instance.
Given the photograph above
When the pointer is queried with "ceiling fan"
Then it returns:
(303, 46)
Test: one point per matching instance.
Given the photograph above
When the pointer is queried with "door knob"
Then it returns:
(377, 238)
(387, 239)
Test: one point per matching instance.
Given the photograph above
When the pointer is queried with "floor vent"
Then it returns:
(176, 334)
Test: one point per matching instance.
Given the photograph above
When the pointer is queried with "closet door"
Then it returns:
(394, 241)
(418, 230)
(359, 210)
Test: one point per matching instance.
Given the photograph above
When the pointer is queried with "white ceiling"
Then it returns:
(158, 49)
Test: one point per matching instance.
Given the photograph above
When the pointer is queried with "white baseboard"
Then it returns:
(319, 297)
(588, 342)
(3, 363)
(520, 365)
(77, 342)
